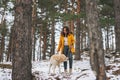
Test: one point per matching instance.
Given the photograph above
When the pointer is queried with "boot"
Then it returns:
(70, 71)
(65, 71)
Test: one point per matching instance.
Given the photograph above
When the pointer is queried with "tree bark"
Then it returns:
(34, 24)
(22, 46)
(52, 39)
(96, 44)
(41, 34)
(72, 12)
(10, 46)
(2, 42)
(117, 24)
(2, 36)
(66, 23)
(2, 46)
(44, 44)
(77, 54)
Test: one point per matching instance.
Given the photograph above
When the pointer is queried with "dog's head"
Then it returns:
(63, 57)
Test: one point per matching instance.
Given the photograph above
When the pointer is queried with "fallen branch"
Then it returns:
(80, 76)
(8, 66)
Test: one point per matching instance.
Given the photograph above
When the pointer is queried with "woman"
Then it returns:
(66, 45)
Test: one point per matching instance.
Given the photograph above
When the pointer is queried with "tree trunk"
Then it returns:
(2, 42)
(2, 36)
(107, 39)
(33, 43)
(2, 47)
(113, 47)
(22, 46)
(44, 45)
(34, 14)
(72, 12)
(81, 38)
(41, 34)
(117, 24)
(52, 39)
(66, 23)
(10, 46)
(96, 44)
(77, 54)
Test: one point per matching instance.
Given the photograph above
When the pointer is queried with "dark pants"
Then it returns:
(68, 54)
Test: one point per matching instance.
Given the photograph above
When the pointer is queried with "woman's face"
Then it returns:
(65, 30)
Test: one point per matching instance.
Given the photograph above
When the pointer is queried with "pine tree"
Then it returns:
(95, 35)
(117, 24)
(22, 46)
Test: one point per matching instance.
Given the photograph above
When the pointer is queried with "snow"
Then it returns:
(5, 74)
(81, 71)
(80, 68)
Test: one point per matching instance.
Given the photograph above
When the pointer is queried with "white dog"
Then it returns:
(55, 60)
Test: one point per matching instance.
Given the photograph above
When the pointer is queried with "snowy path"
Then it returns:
(81, 71)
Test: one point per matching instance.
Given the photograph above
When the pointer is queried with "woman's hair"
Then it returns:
(67, 29)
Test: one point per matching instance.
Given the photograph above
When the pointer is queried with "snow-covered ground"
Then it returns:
(81, 71)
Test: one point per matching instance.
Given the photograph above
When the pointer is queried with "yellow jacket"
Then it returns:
(71, 42)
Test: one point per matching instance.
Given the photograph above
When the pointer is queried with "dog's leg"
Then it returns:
(59, 68)
(50, 67)
(54, 69)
